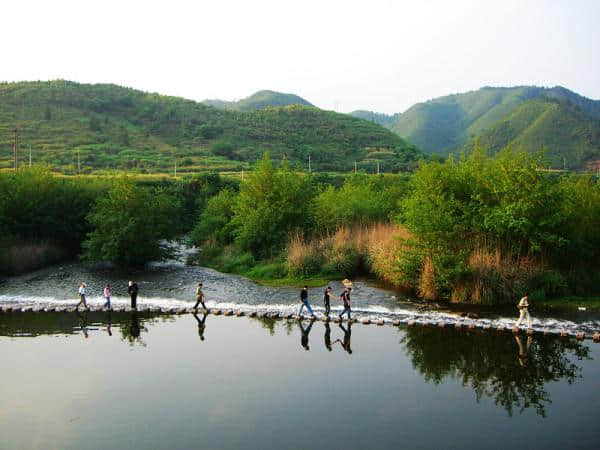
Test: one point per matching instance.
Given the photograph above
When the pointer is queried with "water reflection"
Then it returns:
(304, 334)
(513, 371)
(201, 324)
(489, 363)
(327, 336)
(347, 335)
(83, 322)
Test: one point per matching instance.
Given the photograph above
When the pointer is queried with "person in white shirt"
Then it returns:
(523, 312)
(82, 287)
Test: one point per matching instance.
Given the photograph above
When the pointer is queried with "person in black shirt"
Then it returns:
(327, 299)
(304, 300)
(347, 303)
(133, 292)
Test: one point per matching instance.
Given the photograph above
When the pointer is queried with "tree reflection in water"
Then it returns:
(132, 331)
(513, 374)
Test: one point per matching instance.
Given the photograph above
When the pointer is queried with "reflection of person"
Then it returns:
(523, 350)
(81, 291)
(199, 296)
(83, 319)
(327, 336)
(109, 324)
(304, 299)
(201, 324)
(345, 296)
(327, 300)
(106, 293)
(133, 293)
(305, 333)
(134, 328)
(523, 311)
(347, 336)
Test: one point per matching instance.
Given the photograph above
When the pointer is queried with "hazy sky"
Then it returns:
(342, 55)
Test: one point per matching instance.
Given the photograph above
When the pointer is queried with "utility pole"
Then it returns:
(308, 163)
(15, 149)
(242, 174)
(30, 156)
(78, 163)
(377, 167)
(175, 171)
(354, 167)
(564, 164)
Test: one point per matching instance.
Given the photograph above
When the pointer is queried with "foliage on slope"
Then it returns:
(113, 127)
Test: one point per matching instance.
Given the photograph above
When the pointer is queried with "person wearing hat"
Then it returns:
(81, 291)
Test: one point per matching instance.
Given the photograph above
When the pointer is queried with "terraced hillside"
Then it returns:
(110, 127)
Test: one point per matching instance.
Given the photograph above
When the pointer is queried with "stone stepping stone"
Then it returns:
(240, 313)
(396, 322)
(365, 321)
(381, 322)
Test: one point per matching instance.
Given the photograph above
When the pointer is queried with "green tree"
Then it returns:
(271, 204)
(214, 222)
(129, 224)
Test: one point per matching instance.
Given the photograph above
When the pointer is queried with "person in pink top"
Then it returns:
(106, 293)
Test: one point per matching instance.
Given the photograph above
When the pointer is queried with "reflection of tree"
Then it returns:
(268, 323)
(132, 331)
(490, 364)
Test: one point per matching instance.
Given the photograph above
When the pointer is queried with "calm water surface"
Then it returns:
(120, 380)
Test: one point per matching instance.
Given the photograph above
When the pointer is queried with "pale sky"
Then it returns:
(343, 55)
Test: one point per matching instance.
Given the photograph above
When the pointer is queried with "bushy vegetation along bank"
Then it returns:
(473, 230)
(44, 218)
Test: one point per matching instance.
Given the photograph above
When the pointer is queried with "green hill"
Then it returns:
(259, 100)
(112, 127)
(567, 134)
(523, 116)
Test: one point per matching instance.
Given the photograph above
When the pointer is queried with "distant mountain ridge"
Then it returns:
(259, 100)
(564, 123)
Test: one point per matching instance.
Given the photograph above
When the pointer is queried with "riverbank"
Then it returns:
(570, 303)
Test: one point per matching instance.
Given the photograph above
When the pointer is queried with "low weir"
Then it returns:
(482, 325)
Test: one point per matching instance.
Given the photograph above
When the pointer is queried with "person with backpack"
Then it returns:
(106, 293)
(199, 297)
(81, 292)
(304, 300)
(327, 299)
(523, 311)
(345, 297)
(133, 293)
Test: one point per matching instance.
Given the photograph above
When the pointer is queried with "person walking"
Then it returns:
(199, 297)
(327, 299)
(523, 311)
(345, 296)
(81, 291)
(133, 293)
(304, 300)
(106, 293)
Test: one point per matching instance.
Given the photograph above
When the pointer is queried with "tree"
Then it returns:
(129, 224)
(271, 204)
